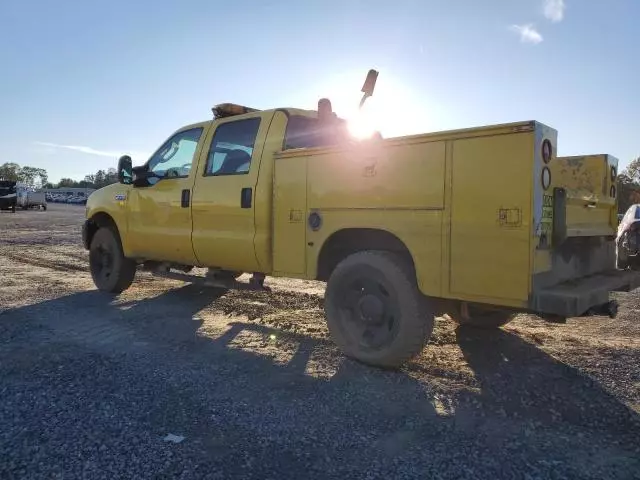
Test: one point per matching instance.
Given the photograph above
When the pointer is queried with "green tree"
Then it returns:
(34, 177)
(99, 179)
(628, 185)
(633, 171)
(10, 171)
(67, 183)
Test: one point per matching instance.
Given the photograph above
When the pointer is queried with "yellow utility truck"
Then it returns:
(478, 223)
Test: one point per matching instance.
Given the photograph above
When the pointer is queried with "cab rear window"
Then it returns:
(306, 132)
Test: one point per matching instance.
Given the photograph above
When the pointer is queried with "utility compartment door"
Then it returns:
(590, 183)
(290, 216)
(491, 217)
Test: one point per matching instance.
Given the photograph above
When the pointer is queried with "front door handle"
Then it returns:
(245, 198)
(186, 197)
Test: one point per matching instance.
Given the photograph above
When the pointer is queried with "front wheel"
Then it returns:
(375, 312)
(111, 271)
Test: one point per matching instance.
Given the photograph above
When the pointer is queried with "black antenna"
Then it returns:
(369, 86)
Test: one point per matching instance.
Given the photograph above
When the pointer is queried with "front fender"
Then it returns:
(108, 207)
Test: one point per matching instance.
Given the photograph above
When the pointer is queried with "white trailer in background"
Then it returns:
(28, 197)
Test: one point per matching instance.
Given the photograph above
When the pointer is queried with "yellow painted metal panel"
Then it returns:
(379, 176)
(223, 231)
(264, 193)
(159, 227)
(113, 201)
(588, 181)
(491, 216)
(289, 216)
(419, 230)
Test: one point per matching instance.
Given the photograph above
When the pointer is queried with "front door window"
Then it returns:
(175, 157)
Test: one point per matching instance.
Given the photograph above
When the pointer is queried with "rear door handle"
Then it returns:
(186, 197)
(246, 197)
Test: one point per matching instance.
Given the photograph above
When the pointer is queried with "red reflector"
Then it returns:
(546, 178)
(547, 151)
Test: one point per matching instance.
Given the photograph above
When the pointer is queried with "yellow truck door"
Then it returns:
(159, 212)
(224, 194)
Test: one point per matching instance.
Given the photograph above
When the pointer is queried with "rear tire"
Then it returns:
(374, 310)
(111, 271)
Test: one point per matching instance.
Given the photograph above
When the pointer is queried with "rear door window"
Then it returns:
(232, 147)
(307, 132)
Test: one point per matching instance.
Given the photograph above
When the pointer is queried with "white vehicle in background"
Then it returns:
(28, 197)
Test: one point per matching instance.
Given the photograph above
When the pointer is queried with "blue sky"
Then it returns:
(82, 82)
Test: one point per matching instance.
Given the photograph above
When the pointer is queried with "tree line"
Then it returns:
(38, 177)
(628, 186)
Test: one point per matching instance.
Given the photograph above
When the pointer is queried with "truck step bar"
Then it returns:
(254, 284)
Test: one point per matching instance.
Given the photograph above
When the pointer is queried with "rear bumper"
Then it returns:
(574, 298)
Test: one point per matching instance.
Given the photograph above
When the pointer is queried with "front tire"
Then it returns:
(111, 271)
(374, 310)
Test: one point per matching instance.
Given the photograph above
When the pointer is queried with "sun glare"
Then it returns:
(361, 125)
(394, 110)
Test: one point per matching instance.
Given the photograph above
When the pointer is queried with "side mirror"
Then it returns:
(125, 170)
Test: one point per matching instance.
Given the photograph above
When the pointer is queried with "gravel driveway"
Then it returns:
(251, 386)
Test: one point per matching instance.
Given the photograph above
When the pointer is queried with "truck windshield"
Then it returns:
(308, 132)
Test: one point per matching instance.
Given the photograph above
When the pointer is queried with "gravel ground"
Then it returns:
(92, 384)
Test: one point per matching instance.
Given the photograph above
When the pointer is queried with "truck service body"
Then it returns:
(477, 223)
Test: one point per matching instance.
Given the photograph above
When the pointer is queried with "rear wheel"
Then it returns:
(375, 312)
(111, 271)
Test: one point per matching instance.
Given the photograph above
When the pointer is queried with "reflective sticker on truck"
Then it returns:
(545, 153)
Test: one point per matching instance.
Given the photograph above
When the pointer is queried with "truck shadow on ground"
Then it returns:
(520, 393)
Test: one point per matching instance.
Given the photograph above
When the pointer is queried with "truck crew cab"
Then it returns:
(479, 223)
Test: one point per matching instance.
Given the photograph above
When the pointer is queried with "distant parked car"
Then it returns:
(77, 200)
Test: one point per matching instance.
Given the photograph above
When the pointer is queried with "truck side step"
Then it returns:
(253, 285)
